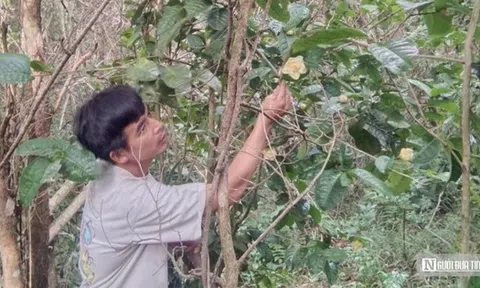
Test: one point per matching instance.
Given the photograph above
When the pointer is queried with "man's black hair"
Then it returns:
(99, 123)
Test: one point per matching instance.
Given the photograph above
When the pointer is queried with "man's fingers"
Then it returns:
(282, 88)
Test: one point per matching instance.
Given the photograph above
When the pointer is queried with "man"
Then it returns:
(129, 217)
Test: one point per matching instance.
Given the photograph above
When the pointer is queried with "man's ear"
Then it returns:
(119, 156)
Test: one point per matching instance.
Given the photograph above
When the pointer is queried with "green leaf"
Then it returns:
(298, 13)
(474, 282)
(421, 85)
(259, 72)
(169, 27)
(364, 140)
(166, 94)
(370, 179)
(176, 76)
(218, 18)
(37, 172)
(315, 261)
(195, 42)
(390, 103)
(40, 66)
(382, 163)
(278, 9)
(331, 270)
(14, 68)
(78, 165)
(143, 70)
(397, 120)
(325, 37)
(394, 55)
(428, 153)
(440, 90)
(46, 147)
(335, 255)
(195, 7)
(346, 156)
(399, 183)
(311, 89)
(206, 76)
(438, 24)
(285, 43)
(316, 214)
(407, 6)
(329, 190)
(447, 105)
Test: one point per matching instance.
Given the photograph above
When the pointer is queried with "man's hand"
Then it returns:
(278, 103)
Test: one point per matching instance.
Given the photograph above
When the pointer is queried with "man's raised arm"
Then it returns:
(249, 157)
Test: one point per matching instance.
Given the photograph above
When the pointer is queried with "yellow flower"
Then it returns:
(343, 98)
(269, 154)
(356, 245)
(294, 67)
(406, 154)
(302, 106)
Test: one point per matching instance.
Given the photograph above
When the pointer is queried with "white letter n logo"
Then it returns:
(429, 264)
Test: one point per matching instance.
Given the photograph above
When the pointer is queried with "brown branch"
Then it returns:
(466, 153)
(4, 37)
(414, 97)
(67, 214)
(39, 98)
(61, 194)
(291, 205)
(211, 128)
(219, 184)
(9, 250)
(77, 64)
(10, 103)
(440, 58)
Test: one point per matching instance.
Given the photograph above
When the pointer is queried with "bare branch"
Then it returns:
(440, 58)
(77, 64)
(67, 214)
(4, 37)
(61, 194)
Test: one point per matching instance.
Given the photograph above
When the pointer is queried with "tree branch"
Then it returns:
(467, 75)
(61, 194)
(219, 184)
(39, 98)
(77, 64)
(67, 215)
(291, 205)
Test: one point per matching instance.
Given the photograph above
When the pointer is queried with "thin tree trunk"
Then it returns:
(9, 250)
(467, 73)
(234, 95)
(39, 212)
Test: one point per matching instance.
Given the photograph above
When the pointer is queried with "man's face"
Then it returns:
(146, 138)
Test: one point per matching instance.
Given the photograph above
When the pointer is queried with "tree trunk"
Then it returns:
(39, 214)
(9, 250)
(467, 73)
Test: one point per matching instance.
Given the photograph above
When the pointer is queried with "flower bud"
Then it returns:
(406, 154)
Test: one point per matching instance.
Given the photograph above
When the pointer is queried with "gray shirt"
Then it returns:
(127, 223)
